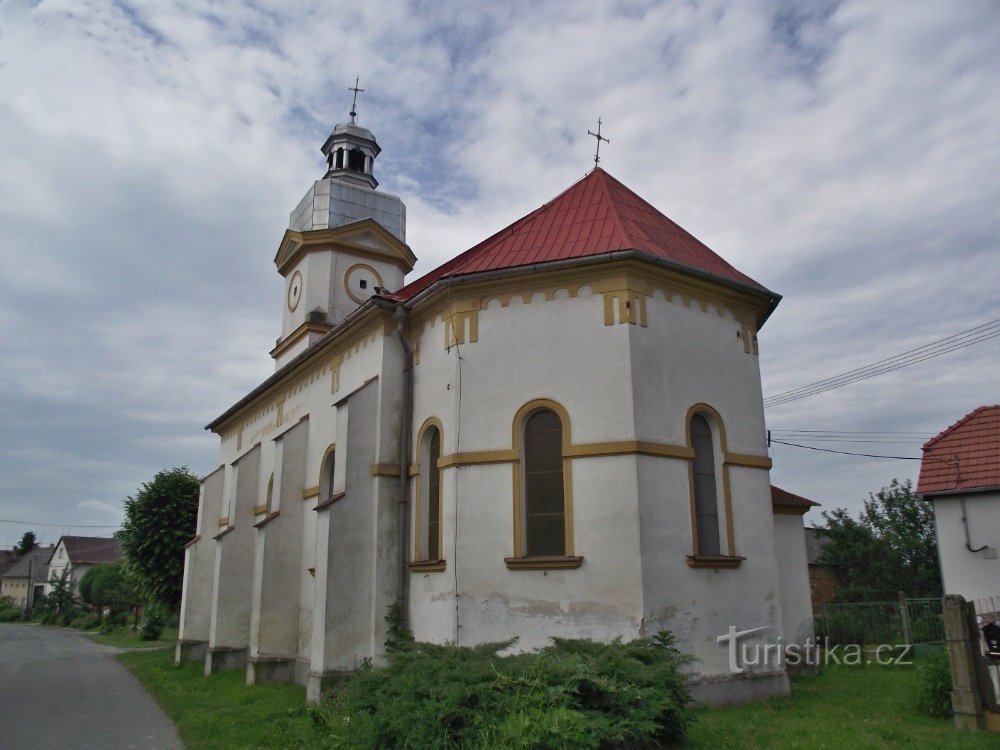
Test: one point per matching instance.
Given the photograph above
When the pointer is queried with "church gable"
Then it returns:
(366, 238)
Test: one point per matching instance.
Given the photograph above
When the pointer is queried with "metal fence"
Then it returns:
(905, 621)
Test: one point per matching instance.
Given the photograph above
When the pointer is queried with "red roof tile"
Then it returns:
(596, 215)
(784, 499)
(91, 549)
(966, 456)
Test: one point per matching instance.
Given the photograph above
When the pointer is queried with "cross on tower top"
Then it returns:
(599, 137)
(354, 104)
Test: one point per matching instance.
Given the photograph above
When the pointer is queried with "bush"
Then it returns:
(152, 624)
(9, 614)
(573, 694)
(935, 685)
(85, 621)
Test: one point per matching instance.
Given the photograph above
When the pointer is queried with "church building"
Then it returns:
(558, 432)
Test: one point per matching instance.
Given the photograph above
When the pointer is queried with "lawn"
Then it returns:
(844, 707)
(126, 638)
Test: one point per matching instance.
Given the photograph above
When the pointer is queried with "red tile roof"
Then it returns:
(784, 499)
(91, 549)
(966, 456)
(596, 215)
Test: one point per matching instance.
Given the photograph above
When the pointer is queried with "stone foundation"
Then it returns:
(221, 658)
(264, 669)
(741, 688)
(318, 683)
(189, 651)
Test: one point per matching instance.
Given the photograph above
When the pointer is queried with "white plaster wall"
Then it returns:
(199, 562)
(793, 578)
(970, 574)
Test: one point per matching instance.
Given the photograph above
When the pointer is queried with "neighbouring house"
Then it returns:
(559, 432)
(790, 549)
(824, 580)
(7, 558)
(960, 478)
(26, 577)
(78, 554)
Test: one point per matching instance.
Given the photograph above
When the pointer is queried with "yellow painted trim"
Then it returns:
(310, 492)
(714, 561)
(357, 297)
(558, 562)
(727, 500)
(428, 566)
(417, 530)
(297, 335)
(748, 460)
(385, 470)
(294, 245)
(517, 439)
(259, 509)
(329, 449)
(471, 458)
(223, 520)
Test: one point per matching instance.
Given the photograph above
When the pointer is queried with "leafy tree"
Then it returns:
(108, 585)
(60, 598)
(159, 521)
(888, 549)
(28, 543)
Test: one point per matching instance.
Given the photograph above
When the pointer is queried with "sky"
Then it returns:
(844, 155)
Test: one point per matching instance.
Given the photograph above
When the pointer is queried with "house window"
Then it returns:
(543, 532)
(270, 493)
(428, 547)
(328, 473)
(706, 501)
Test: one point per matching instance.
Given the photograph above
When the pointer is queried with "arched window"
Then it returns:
(327, 474)
(356, 160)
(340, 158)
(706, 500)
(544, 496)
(428, 547)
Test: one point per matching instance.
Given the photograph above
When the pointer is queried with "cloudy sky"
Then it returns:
(843, 154)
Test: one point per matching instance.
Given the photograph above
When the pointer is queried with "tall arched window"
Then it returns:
(544, 496)
(327, 474)
(706, 501)
(428, 550)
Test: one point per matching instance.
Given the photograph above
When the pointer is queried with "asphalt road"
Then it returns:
(59, 690)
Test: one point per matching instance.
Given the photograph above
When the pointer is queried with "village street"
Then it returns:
(57, 689)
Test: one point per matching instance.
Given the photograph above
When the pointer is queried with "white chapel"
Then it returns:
(558, 432)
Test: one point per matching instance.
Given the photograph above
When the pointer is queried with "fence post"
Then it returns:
(965, 698)
(904, 616)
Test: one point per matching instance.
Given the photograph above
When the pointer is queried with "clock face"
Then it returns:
(361, 282)
(294, 291)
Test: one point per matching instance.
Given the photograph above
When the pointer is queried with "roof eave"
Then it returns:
(958, 491)
(608, 257)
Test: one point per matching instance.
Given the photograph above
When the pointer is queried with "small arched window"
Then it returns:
(356, 160)
(544, 496)
(340, 158)
(706, 501)
(327, 474)
(270, 494)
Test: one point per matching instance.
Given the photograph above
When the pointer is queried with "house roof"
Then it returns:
(783, 501)
(91, 549)
(39, 564)
(595, 216)
(816, 540)
(966, 456)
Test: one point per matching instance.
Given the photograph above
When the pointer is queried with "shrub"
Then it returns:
(152, 624)
(8, 614)
(573, 694)
(935, 685)
(85, 621)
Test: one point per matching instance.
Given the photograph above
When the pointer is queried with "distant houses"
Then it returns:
(26, 577)
(78, 554)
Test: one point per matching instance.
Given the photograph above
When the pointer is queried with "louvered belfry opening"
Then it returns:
(434, 495)
(544, 508)
(705, 496)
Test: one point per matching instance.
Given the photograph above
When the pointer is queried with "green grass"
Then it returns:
(125, 638)
(844, 707)
(220, 712)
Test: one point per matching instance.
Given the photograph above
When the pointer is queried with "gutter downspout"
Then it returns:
(405, 427)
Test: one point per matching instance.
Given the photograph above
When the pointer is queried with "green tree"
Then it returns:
(60, 598)
(159, 521)
(28, 543)
(108, 585)
(889, 548)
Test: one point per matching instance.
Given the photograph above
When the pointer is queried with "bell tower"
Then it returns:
(346, 241)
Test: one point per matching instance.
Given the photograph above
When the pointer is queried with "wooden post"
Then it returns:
(965, 698)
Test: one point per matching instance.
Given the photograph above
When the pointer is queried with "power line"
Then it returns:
(64, 525)
(956, 341)
(848, 453)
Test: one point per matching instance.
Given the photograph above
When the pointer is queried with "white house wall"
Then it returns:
(793, 576)
(974, 575)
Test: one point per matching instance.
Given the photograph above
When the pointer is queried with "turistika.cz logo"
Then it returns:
(812, 653)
